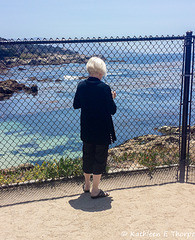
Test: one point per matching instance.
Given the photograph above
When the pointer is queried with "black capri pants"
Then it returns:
(94, 158)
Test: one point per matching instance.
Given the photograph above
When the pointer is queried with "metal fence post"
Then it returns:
(187, 66)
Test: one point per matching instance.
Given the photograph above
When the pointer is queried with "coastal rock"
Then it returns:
(143, 143)
(8, 91)
(192, 129)
(35, 62)
(164, 145)
(83, 77)
(9, 87)
(168, 130)
(19, 55)
(21, 167)
(34, 88)
(58, 80)
(3, 67)
(32, 78)
(47, 59)
(2, 90)
(54, 59)
(21, 69)
(45, 80)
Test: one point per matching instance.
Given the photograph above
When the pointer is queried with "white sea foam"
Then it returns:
(68, 77)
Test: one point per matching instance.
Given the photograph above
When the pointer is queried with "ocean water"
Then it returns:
(46, 127)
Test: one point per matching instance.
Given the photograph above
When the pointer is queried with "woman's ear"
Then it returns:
(100, 76)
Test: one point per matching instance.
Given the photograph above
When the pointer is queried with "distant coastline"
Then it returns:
(36, 54)
(50, 59)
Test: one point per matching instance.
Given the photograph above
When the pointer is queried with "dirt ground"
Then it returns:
(164, 211)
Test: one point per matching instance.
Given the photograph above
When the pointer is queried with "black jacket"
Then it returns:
(94, 97)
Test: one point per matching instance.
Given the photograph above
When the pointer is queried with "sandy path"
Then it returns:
(156, 212)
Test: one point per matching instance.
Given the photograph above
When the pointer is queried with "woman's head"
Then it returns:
(96, 66)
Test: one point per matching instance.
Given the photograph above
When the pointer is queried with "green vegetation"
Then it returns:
(157, 157)
(48, 170)
(150, 158)
(67, 167)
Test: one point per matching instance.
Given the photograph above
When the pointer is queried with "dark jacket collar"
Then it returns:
(93, 80)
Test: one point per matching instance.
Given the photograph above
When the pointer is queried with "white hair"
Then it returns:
(96, 65)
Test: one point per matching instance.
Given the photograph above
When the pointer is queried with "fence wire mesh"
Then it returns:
(40, 130)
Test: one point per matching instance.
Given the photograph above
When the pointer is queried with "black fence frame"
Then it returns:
(186, 102)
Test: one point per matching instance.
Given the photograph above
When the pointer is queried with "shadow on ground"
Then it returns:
(85, 203)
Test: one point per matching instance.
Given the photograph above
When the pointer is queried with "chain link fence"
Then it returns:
(40, 130)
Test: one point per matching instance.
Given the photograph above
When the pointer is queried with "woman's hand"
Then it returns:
(113, 94)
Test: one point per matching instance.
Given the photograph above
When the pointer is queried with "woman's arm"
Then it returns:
(110, 101)
(76, 102)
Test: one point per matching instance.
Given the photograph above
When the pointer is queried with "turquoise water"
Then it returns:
(46, 127)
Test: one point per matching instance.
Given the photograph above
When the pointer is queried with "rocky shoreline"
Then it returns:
(9, 87)
(55, 59)
(164, 146)
(49, 59)
(3, 67)
(17, 54)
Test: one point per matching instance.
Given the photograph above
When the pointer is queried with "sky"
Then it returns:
(95, 18)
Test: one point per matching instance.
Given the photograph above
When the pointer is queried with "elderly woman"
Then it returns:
(95, 99)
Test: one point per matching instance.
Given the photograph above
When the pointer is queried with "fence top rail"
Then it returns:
(88, 40)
